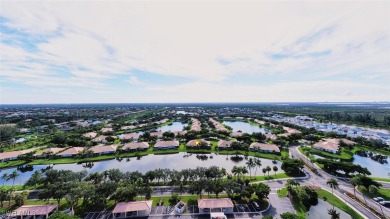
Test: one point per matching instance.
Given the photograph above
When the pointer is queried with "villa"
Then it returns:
(136, 146)
(48, 152)
(33, 211)
(13, 155)
(198, 143)
(271, 136)
(100, 139)
(161, 145)
(224, 144)
(157, 134)
(262, 147)
(328, 146)
(236, 134)
(90, 135)
(70, 152)
(133, 136)
(132, 209)
(103, 149)
(107, 130)
(179, 133)
(207, 206)
(196, 126)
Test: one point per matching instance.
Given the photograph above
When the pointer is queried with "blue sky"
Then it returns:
(125, 52)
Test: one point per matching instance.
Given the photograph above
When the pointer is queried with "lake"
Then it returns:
(245, 127)
(175, 126)
(151, 162)
(376, 169)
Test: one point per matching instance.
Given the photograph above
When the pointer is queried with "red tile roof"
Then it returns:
(135, 145)
(167, 143)
(265, 147)
(34, 209)
(215, 203)
(103, 148)
(71, 151)
(132, 206)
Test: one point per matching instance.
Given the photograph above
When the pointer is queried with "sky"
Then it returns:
(184, 51)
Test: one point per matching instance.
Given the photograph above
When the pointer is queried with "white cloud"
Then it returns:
(95, 41)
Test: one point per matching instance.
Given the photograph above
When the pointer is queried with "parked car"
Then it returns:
(378, 199)
(257, 207)
(385, 203)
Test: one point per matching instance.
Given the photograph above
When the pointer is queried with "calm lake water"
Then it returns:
(376, 169)
(152, 162)
(176, 126)
(244, 127)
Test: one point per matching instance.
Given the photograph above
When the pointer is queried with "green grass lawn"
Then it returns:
(282, 192)
(378, 151)
(266, 177)
(333, 200)
(384, 193)
(380, 179)
(344, 155)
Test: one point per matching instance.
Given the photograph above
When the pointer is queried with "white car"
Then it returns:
(378, 199)
(385, 203)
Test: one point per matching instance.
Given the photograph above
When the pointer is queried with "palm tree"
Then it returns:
(275, 168)
(5, 178)
(257, 163)
(355, 181)
(250, 164)
(333, 214)
(374, 191)
(14, 175)
(332, 183)
(264, 171)
(268, 168)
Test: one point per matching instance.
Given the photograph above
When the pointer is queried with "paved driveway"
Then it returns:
(278, 205)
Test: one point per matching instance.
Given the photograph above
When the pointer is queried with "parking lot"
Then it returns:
(99, 215)
(246, 208)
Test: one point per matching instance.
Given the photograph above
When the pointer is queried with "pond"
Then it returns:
(176, 161)
(175, 126)
(376, 169)
(321, 211)
(245, 127)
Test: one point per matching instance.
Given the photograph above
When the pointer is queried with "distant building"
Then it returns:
(266, 148)
(236, 134)
(132, 209)
(198, 143)
(224, 144)
(159, 135)
(48, 152)
(33, 211)
(103, 149)
(90, 135)
(161, 145)
(136, 146)
(128, 136)
(328, 146)
(207, 206)
(70, 152)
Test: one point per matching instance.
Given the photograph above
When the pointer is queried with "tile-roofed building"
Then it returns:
(100, 139)
(128, 127)
(103, 149)
(48, 151)
(156, 134)
(34, 211)
(338, 140)
(134, 146)
(196, 125)
(218, 126)
(90, 135)
(197, 143)
(224, 144)
(215, 205)
(132, 209)
(166, 145)
(262, 147)
(70, 152)
(328, 145)
(236, 134)
(271, 136)
(13, 155)
(134, 136)
(106, 130)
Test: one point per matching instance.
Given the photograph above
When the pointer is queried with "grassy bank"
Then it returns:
(333, 200)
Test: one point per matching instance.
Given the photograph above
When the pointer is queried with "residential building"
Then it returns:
(266, 148)
(33, 211)
(328, 146)
(161, 145)
(236, 134)
(132, 209)
(48, 152)
(103, 149)
(70, 152)
(136, 146)
(128, 136)
(207, 206)
(198, 143)
(224, 144)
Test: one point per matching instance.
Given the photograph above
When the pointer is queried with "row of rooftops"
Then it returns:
(218, 126)
(122, 207)
(332, 144)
